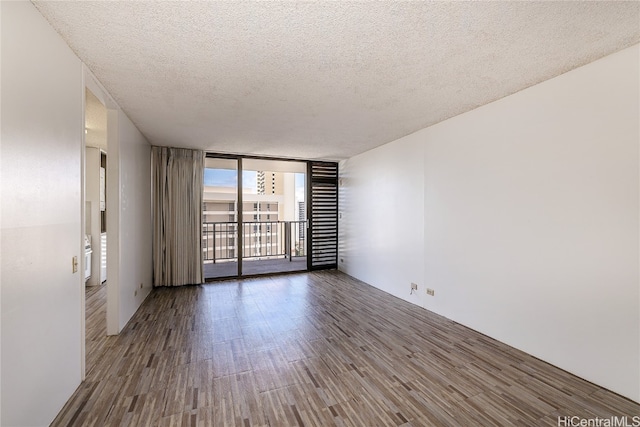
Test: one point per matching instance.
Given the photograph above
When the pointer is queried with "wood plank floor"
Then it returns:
(96, 338)
(317, 349)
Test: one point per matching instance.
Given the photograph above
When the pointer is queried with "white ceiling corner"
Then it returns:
(325, 79)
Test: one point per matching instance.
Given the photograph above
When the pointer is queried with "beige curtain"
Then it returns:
(177, 216)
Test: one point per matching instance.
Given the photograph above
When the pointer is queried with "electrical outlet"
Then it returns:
(74, 264)
(431, 292)
(414, 287)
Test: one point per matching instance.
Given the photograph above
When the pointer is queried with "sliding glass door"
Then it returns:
(274, 216)
(259, 229)
(220, 218)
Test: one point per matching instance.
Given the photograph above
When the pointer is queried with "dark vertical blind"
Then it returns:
(323, 215)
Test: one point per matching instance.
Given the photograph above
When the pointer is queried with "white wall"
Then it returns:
(381, 225)
(41, 224)
(135, 268)
(531, 220)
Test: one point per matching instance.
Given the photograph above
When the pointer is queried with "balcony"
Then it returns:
(267, 247)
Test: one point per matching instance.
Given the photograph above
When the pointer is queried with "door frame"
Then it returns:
(89, 81)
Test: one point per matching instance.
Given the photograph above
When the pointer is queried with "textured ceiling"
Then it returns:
(325, 79)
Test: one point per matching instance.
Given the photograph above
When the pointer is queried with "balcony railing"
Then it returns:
(263, 240)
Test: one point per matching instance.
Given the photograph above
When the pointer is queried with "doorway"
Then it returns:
(99, 213)
(95, 227)
(254, 217)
